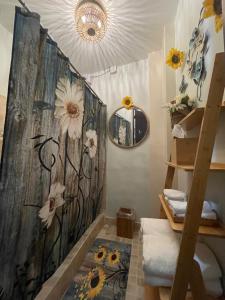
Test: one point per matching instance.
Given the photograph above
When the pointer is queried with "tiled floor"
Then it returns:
(135, 288)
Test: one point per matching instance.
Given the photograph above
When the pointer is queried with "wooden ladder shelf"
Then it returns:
(188, 271)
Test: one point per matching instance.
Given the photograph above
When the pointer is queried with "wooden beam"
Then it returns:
(169, 177)
(151, 293)
(197, 283)
(224, 23)
(199, 182)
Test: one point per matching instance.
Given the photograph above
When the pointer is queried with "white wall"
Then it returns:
(5, 52)
(7, 14)
(135, 176)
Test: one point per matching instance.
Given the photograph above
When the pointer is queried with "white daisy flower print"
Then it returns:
(70, 107)
(55, 200)
(92, 142)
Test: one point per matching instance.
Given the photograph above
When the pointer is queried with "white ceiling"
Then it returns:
(135, 29)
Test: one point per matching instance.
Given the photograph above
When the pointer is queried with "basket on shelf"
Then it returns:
(177, 116)
(180, 107)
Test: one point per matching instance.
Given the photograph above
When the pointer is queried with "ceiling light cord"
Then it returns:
(61, 52)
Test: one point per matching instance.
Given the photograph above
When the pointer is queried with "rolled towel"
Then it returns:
(175, 195)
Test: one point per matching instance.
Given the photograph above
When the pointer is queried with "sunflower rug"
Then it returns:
(103, 274)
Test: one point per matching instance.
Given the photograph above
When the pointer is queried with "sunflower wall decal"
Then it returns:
(127, 102)
(214, 8)
(175, 58)
(92, 142)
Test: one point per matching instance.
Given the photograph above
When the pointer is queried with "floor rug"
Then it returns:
(103, 274)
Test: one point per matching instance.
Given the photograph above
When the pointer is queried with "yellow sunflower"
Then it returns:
(127, 102)
(100, 254)
(96, 280)
(114, 258)
(175, 58)
(214, 8)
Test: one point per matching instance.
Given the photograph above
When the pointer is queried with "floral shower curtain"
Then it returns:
(53, 161)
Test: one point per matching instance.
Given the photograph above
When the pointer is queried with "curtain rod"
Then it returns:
(61, 52)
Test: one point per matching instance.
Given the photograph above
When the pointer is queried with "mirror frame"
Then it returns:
(133, 146)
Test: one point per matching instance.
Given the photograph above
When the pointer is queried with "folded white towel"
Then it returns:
(175, 194)
(180, 207)
(160, 257)
(209, 216)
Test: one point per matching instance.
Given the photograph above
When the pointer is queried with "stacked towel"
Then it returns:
(160, 252)
(175, 195)
(155, 226)
(179, 209)
(160, 257)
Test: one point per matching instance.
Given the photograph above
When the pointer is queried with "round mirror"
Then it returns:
(128, 127)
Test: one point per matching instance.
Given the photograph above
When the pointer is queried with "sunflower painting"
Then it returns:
(103, 274)
(175, 58)
(214, 8)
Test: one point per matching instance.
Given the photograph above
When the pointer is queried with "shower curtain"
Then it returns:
(52, 176)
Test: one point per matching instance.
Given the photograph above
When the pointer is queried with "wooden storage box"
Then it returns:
(184, 151)
(125, 223)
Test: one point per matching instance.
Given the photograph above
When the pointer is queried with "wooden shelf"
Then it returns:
(219, 167)
(194, 118)
(203, 230)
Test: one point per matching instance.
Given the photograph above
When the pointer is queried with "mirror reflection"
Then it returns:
(128, 128)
